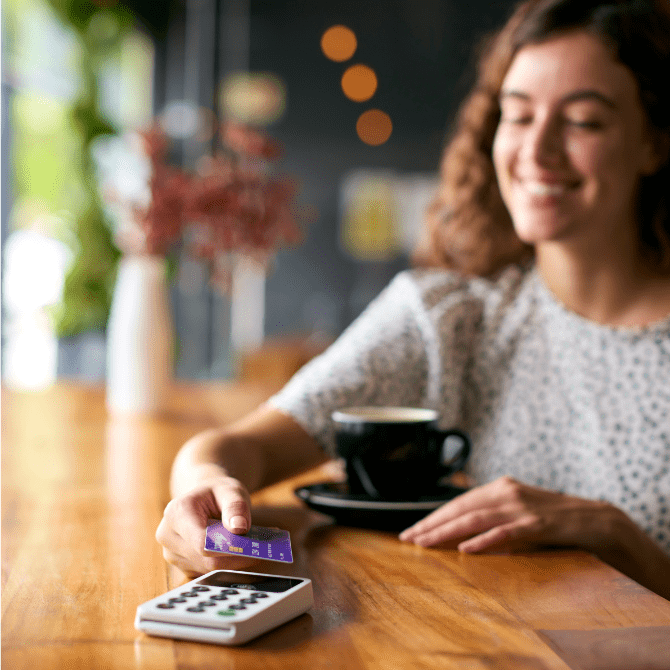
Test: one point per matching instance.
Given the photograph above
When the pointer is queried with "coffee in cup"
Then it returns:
(397, 453)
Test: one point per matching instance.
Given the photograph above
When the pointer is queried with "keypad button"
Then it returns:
(195, 609)
(226, 612)
(189, 594)
(229, 592)
(165, 606)
(238, 606)
(200, 588)
(206, 603)
(260, 594)
(177, 600)
(248, 601)
(218, 596)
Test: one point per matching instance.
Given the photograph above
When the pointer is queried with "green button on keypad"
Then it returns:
(226, 612)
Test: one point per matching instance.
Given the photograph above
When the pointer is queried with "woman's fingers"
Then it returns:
(466, 525)
(510, 536)
(233, 501)
(485, 498)
(180, 562)
(507, 515)
(193, 563)
(182, 530)
(187, 517)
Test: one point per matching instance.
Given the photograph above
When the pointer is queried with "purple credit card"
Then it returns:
(271, 544)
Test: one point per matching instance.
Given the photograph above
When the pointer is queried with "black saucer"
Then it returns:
(360, 510)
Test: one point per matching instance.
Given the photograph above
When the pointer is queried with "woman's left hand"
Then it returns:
(506, 516)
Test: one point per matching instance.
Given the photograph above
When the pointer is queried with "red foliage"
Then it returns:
(234, 206)
(245, 140)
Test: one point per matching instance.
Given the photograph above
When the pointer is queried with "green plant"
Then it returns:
(89, 283)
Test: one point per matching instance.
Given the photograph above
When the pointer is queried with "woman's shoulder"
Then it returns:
(437, 286)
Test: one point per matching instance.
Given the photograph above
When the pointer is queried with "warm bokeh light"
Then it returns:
(258, 98)
(338, 43)
(374, 127)
(359, 83)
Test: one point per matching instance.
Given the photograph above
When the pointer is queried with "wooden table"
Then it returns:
(83, 494)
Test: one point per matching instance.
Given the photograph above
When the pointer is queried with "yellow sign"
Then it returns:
(369, 219)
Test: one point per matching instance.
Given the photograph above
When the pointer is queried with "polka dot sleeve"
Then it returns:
(391, 355)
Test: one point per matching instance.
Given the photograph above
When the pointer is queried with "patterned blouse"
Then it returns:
(548, 397)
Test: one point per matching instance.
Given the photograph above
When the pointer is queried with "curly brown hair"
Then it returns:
(468, 227)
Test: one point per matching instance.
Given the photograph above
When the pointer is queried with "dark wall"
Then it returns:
(422, 52)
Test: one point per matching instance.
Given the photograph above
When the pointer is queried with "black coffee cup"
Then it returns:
(397, 453)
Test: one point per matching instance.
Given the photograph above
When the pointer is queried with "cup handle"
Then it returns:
(458, 461)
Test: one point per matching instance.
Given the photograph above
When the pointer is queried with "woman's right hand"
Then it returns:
(260, 449)
(181, 532)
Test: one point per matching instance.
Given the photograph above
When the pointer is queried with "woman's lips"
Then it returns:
(544, 189)
(538, 188)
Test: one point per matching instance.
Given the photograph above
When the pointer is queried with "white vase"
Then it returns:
(140, 338)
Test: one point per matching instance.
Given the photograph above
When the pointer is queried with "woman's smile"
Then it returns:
(545, 190)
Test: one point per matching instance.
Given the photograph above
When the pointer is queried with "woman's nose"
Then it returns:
(544, 143)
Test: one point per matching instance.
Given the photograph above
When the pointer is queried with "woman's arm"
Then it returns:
(264, 447)
(213, 474)
(634, 553)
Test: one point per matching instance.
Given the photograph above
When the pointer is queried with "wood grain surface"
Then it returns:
(82, 495)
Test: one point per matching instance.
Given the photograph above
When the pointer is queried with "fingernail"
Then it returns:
(238, 523)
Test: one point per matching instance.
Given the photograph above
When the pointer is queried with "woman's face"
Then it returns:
(571, 143)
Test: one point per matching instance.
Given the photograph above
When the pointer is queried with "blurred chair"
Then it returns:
(279, 358)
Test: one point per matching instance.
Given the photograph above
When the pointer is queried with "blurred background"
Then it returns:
(360, 96)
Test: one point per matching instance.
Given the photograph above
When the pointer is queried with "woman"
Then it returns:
(548, 339)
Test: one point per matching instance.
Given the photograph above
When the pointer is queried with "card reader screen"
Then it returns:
(238, 580)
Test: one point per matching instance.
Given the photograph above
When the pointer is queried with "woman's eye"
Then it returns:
(586, 125)
(515, 119)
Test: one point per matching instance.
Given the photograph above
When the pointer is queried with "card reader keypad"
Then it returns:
(202, 598)
(227, 607)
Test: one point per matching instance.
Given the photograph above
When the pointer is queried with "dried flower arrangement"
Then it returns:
(229, 206)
